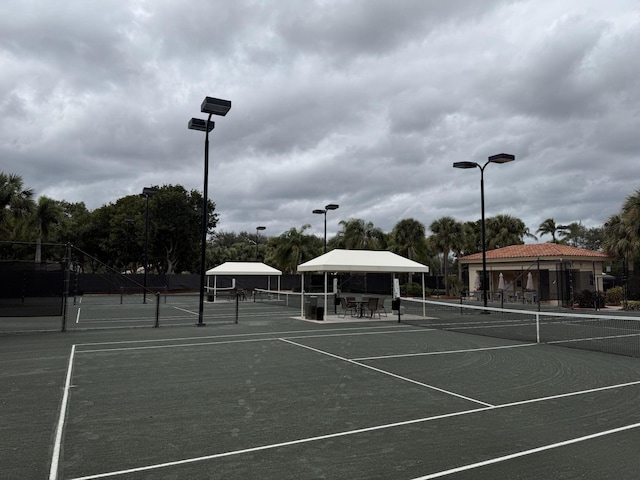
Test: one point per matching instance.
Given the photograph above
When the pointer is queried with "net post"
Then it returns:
(75, 287)
(65, 295)
(157, 324)
(237, 304)
(537, 327)
(396, 303)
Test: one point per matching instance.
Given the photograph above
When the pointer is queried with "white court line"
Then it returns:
(55, 459)
(185, 310)
(444, 473)
(219, 342)
(78, 316)
(236, 335)
(157, 347)
(445, 352)
(355, 432)
(361, 333)
(272, 446)
(589, 339)
(388, 373)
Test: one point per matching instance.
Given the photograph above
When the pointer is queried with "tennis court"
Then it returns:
(277, 397)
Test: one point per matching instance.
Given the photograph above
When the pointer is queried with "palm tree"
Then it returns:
(617, 241)
(572, 234)
(294, 247)
(15, 200)
(447, 232)
(505, 230)
(631, 215)
(464, 243)
(408, 239)
(549, 227)
(622, 231)
(357, 234)
(48, 212)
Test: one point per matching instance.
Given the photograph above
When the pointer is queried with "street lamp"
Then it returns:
(331, 206)
(147, 192)
(500, 158)
(257, 239)
(212, 106)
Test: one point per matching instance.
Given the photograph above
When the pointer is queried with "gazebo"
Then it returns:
(360, 261)
(231, 269)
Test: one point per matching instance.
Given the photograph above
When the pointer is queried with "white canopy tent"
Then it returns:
(360, 261)
(241, 268)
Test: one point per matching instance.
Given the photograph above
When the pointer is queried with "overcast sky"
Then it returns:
(364, 103)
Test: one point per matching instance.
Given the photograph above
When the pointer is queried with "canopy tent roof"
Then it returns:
(243, 268)
(362, 261)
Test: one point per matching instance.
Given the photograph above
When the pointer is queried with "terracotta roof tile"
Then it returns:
(534, 251)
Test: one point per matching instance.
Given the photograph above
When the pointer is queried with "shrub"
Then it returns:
(633, 305)
(411, 290)
(455, 285)
(589, 299)
(614, 296)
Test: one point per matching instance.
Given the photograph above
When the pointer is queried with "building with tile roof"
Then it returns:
(545, 272)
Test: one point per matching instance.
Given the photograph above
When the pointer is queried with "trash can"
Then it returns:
(320, 313)
(396, 308)
(311, 305)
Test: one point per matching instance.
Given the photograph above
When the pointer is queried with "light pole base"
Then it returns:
(199, 324)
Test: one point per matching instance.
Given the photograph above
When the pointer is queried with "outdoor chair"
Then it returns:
(381, 307)
(348, 306)
(372, 306)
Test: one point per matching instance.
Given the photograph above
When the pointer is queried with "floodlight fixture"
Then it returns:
(502, 158)
(331, 206)
(201, 125)
(465, 165)
(215, 106)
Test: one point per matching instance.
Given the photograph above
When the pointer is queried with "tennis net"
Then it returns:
(278, 298)
(616, 334)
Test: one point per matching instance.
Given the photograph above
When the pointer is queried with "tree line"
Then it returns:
(118, 236)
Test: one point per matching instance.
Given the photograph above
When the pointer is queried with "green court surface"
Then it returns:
(274, 397)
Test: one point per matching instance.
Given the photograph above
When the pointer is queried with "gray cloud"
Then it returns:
(363, 103)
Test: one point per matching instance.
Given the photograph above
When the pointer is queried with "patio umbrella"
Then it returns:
(476, 282)
(529, 281)
(500, 282)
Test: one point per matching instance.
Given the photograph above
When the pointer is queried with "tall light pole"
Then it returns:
(331, 206)
(129, 221)
(258, 238)
(500, 158)
(212, 106)
(147, 192)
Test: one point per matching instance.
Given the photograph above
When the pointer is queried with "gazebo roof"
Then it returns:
(536, 250)
(243, 268)
(362, 261)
